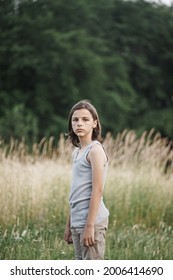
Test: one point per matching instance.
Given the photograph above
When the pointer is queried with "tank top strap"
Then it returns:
(91, 145)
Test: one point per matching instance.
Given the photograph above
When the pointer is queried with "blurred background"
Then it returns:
(118, 54)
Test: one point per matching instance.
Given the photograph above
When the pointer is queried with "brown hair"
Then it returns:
(96, 135)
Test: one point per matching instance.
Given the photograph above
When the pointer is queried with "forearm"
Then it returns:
(68, 220)
(95, 200)
(67, 234)
(88, 236)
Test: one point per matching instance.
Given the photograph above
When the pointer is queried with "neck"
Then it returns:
(84, 143)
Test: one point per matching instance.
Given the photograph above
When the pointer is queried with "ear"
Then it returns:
(95, 124)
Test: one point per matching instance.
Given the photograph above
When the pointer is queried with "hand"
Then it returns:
(68, 235)
(88, 236)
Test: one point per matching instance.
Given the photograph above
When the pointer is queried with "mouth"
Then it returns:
(79, 130)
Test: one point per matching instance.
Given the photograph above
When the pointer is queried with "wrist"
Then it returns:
(89, 225)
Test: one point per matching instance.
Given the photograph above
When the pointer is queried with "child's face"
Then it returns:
(83, 123)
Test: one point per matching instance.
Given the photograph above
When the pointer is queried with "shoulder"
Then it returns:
(97, 152)
(96, 148)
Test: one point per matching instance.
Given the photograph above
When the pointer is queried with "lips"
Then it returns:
(79, 130)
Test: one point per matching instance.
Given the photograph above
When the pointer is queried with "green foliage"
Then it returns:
(116, 53)
(19, 122)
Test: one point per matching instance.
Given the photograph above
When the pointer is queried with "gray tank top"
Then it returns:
(81, 188)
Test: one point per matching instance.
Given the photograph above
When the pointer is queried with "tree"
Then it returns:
(116, 53)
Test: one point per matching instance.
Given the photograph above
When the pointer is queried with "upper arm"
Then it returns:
(97, 159)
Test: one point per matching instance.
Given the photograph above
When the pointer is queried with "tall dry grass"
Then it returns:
(125, 149)
(34, 187)
(29, 180)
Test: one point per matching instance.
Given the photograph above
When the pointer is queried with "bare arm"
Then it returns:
(67, 233)
(97, 159)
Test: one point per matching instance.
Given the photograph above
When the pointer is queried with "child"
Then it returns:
(88, 220)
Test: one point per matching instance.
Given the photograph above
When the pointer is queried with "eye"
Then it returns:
(86, 119)
(74, 120)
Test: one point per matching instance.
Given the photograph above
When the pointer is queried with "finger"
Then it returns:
(86, 243)
(91, 242)
(70, 240)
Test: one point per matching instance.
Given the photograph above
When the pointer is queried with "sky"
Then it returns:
(166, 2)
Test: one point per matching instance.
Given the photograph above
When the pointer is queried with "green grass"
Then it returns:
(140, 216)
(138, 193)
(35, 244)
(123, 242)
(140, 243)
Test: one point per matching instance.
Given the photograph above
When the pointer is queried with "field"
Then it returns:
(34, 189)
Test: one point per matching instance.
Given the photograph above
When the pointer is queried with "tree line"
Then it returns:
(118, 54)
